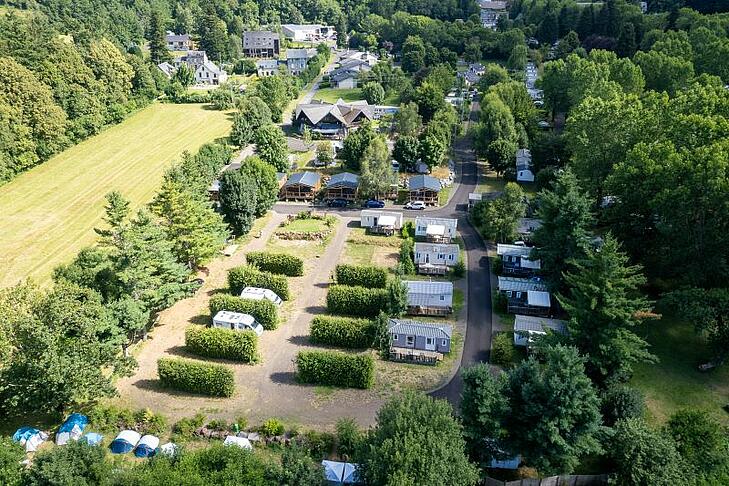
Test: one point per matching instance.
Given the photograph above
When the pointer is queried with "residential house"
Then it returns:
(342, 186)
(429, 298)
(193, 59)
(525, 296)
(343, 79)
(363, 56)
(436, 230)
(210, 73)
(297, 59)
(266, 67)
(524, 166)
(309, 32)
(301, 186)
(333, 120)
(435, 258)
(515, 260)
(354, 65)
(262, 43)
(490, 13)
(527, 327)
(178, 42)
(419, 342)
(167, 69)
(477, 68)
(424, 188)
(381, 222)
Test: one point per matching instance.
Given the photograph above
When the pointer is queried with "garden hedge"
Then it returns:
(213, 342)
(362, 275)
(264, 311)
(249, 276)
(279, 263)
(344, 332)
(356, 301)
(335, 369)
(196, 377)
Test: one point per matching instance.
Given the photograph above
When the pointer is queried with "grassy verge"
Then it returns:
(49, 212)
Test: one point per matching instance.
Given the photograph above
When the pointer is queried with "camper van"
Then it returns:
(237, 322)
(257, 293)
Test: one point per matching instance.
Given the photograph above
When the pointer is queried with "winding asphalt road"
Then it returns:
(477, 342)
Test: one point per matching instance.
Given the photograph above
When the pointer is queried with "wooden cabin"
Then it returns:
(424, 188)
(301, 186)
(342, 186)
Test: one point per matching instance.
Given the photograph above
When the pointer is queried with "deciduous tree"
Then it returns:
(272, 147)
(238, 197)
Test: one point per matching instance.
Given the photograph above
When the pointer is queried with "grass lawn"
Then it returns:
(49, 212)
(675, 381)
(307, 225)
(364, 249)
(331, 95)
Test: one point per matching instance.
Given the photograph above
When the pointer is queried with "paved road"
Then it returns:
(477, 342)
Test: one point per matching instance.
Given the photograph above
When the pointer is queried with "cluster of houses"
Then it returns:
(472, 75)
(265, 45)
(335, 120)
(206, 71)
(491, 11)
(351, 65)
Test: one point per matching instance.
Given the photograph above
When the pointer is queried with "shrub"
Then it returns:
(503, 352)
(249, 276)
(110, 418)
(345, 332)
(356, 301)
(408, 230)
(213, 342)
(185, 428)
(620, 402)
(319, 444)
(349, 436)
(363, 275)
(459, 269)
(272, 427)
(279, 263)
(196, 377)
(499, 302)
(335, 369)
(407, 265)
(264, 311)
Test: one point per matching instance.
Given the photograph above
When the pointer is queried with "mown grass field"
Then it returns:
(331, 95)
(48, 213)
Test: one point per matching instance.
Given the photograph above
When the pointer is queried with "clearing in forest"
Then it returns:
(48, 213)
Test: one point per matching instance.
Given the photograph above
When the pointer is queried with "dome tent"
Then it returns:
(147, 446)
(29, 437)
(241, 442)
(71, 429)
(125, 441)
(336, 473)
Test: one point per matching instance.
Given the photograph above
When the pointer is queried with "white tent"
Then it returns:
(62, 438)
(30, 438)
(168, 449)
(34, 441)
(241, 442)
(125, 441)
(147, 446)
(340, 472)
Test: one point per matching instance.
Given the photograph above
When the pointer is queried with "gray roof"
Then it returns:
(436, 248)
(417, 328)
(428, 287)
(521, 284)
(345, 113)
(424, 182)
(177, 37)
(266, 36)
(345, 179)
(300, 53)
(538, 324)
(342, 74)
(310, 179)
(267, 64)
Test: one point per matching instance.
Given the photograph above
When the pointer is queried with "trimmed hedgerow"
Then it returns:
(249, 276)
(196, 377)
(356, 301)
(212, 342)
(362, 275)
(345, 332)
(335, 369)
(264, 311)
(279, 263)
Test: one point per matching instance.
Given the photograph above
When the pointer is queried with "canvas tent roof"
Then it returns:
(537, 298)
(340, 472)
(125, 441)
(29, 437)
(147, 446)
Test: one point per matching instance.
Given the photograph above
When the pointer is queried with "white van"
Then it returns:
(237, 322)
(257, 293)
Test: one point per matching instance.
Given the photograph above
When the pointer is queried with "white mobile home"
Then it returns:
(441, 230)
(429, 298)
(377, 221)
(524, 166)
(527, 327)
(435, 258)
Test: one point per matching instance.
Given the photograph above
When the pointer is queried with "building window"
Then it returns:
(518, 295)
(410, 340)
(445, 342)
(429, 341)
(442, 297)
(450, 257)
(394, 337)
(508, 293)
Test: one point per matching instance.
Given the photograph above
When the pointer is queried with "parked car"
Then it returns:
(374, 204)
(337, 203)
(415, 205)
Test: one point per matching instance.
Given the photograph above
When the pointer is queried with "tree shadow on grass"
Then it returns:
(201, 319)
(284, 377)
(315, 309)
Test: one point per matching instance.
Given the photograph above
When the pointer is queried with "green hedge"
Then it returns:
(356, 301)
(279, 263)
(212, 342)
(196, 377)
(335, 369)
(264, 311)
(363, 275)
(249, 276)
(344, 332)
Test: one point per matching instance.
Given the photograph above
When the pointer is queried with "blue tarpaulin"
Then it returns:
(74, 419)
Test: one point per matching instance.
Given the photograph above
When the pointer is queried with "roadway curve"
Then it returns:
(477, 342)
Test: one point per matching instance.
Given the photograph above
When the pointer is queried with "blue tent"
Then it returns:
(125, 442)
(72, 428)
(92, 438)
(147, 446)
(29, 437)
(24, 433)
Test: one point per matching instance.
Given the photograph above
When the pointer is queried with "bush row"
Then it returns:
(264, 311)
(335, 369)
(363, 275)
(212, 342)
(249, 276)
(279, 263)
(344, 332)
(196, 377)
(356, 301)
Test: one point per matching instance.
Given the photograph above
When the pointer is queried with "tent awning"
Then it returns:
(435, 230)
(387, 221)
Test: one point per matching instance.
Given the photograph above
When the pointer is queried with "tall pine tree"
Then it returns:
(157, 42)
